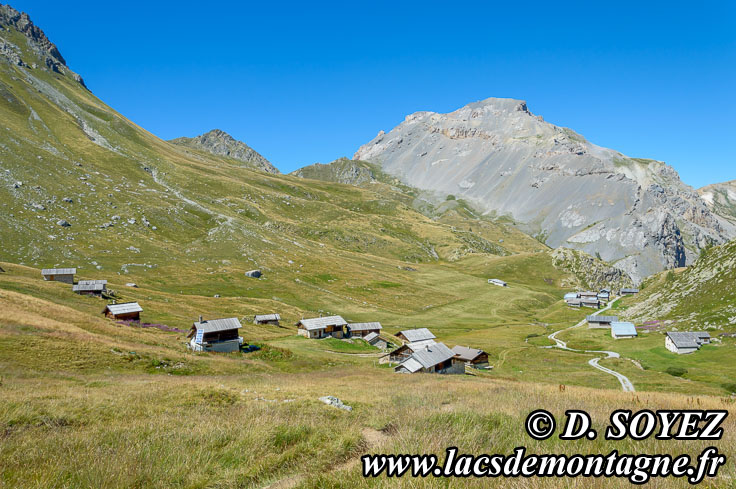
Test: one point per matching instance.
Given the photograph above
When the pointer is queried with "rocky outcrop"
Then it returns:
(220, 143)
(42, 47)
(721, 200)
(589, 272)
(554, 184)
(342, 170)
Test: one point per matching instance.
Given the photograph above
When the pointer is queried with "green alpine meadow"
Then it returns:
(256, 329)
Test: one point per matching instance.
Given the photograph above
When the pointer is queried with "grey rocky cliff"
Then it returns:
(553, 183)
(42, 48)
(721, 199)
(220, 143)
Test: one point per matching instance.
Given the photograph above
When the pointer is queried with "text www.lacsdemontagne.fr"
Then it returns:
(638, 469)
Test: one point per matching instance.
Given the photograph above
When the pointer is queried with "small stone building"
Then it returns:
(471, 356)
(414, 335)
(322, 327)
(596, 321)
(623, 330)
(272, 319)
(363, 329)
(375, 340)
(90, 287)
(405, 351)
(126, 311)
(218, 335)
(683, 342)
(590, 302)
(434, 358)
(65, 275)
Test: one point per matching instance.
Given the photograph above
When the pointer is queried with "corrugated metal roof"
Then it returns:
(364, 326)
(124, 308)
(410, 364)
(89, 282)
(418, 345)
(601, 319)
(431, 355)
(213, 325)
(371, 337)
(688, 339)
(623, 329)
(571, 295)
(80, 287)
(629, 291)
(419, 334)
(267, 317)
(58, 271)
(466, 353)
(322, 323)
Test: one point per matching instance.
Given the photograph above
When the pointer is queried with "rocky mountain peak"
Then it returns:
(43, 49)
(553, 183)
(501, 104)
(220, 143)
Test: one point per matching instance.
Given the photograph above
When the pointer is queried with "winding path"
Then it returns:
(626, 384)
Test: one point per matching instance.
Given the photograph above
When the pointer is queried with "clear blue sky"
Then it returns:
(311, 82)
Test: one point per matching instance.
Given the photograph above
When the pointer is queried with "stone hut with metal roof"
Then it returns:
(126, 311)
(623, 330)
(272, 319)
(218, 335)
(90, 287)
(471, 356)
(434, 358)
(375, 339)
(683, 342)
(65, 275)
(361, 330)
(405, 351)
(413, 335)
(322, 327)
(596, 321)
(590, 302)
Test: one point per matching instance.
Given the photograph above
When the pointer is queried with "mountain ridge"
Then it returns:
(721, 199)
(220, 143)
(555, 184)
(36, 39)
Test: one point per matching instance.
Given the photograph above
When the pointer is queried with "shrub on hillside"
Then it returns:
(676, 371)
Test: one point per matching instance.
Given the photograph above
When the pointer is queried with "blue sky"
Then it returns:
(304, 83)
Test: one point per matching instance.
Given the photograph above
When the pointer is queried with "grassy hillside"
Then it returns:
(701, 297)
(76, 385)
(89, 402)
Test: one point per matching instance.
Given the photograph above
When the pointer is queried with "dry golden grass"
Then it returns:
(87, 403)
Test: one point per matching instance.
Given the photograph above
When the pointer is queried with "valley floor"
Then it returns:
(88, 402)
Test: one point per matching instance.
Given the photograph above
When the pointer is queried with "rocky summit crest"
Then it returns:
(220, 143)
(553, 183)
(44, 52)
